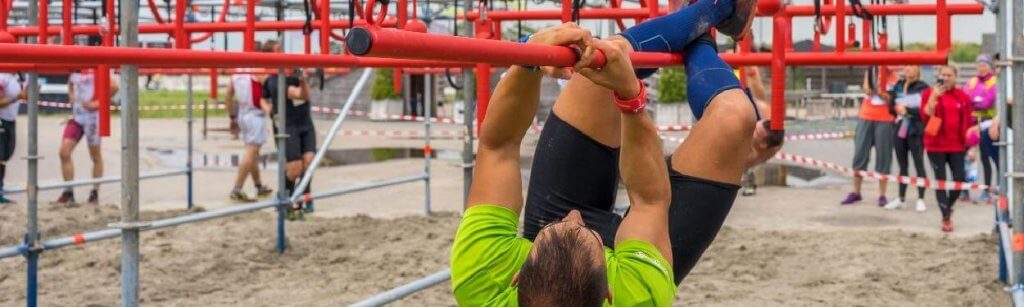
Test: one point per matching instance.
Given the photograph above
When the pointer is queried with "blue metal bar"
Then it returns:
(405, 290)
(92, 181)
(111, 233)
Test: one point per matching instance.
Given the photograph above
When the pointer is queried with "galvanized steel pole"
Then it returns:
(32, 235)
(188, 156)
(428, 105)
(468, 116)
(281, 136)
(129, 159)
(1017, 167)
(1002, 94)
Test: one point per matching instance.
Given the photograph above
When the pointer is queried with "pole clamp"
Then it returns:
(31, 158)
(281, 136)
(1015, 175)
(130, 225)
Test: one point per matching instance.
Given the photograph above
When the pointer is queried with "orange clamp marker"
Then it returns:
(426, 151)
(79, 239)
(1002, 204)
(1018, 242)
(307, 198)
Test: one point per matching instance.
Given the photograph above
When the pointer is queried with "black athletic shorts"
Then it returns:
(7, 139)
(301, 139)
(572, 171)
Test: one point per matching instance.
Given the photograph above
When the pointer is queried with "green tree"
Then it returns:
(672, 85)
(965, 52)
(383, 85)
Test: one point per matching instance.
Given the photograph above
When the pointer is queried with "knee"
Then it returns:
(293, 170)
(65, 155)
(732, 112)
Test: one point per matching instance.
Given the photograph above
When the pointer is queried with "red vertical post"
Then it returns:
(402, 14)
(4, 12)
(325, 26)
(816, 47)
(866, 28)
(102, 74)
(483, 73)
(44, 21)
(652, 8)
(66, 35)
(180, 39)
(566, 14)
(483, 92)
(789, 34)
(214, 84)
(778, 113)
(249, 41)
(942, 26)
(396, 79)
(883, 72)
(840, 23)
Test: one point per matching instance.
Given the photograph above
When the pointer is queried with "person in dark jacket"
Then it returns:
(905, 100)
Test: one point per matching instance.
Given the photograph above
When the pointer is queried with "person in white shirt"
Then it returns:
(11, 94)
(245, 92)
(84, 123)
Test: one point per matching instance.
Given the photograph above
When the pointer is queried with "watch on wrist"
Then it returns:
(523, 40)
(632, 105)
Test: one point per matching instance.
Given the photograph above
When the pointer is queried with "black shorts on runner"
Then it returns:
(572, 171)
(300, 141)
(7, 139)
(699, 207)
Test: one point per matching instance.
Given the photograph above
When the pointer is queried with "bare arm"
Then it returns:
(230, 97)
(496, 178)
(641, 160)
(300, 92)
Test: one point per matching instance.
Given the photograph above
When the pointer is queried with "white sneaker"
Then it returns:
(921, 207)
(894, 204)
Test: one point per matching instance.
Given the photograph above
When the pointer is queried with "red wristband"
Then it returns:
(633, 105)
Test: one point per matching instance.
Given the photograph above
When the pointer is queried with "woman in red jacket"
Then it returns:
(946, 145)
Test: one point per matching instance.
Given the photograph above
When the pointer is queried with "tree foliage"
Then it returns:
(672, 85)
(383, 85)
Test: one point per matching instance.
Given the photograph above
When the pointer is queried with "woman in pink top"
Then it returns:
(948, 146)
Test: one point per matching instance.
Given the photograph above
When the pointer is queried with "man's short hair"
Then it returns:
(562, 270)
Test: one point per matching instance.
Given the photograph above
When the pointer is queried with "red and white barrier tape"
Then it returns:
(401, 133)
(915, 181)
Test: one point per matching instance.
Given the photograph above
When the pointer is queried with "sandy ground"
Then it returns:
(785, 246)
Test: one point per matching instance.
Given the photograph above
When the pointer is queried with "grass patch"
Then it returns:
(148, 99)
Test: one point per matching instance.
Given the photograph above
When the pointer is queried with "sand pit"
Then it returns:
(334, 261)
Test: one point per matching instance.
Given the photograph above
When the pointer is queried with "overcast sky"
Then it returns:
(966, 28)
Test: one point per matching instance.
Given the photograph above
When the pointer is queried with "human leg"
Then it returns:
(939, 162)
(863, 139)
(959, 174)
(885, 132)
(902, 147)
(916, 145)
(73, 132)
(97, 171)
(7, 143)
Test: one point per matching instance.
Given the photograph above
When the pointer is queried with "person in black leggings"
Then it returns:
(905, 98)
(947, 145)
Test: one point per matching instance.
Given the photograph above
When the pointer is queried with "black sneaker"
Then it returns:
(5, 200)
(67, 199)
(94, 197)
(263, 191)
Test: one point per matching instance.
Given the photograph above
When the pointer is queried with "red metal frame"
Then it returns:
(430, 51)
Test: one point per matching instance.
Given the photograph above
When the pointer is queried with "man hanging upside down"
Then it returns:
(590, 141)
